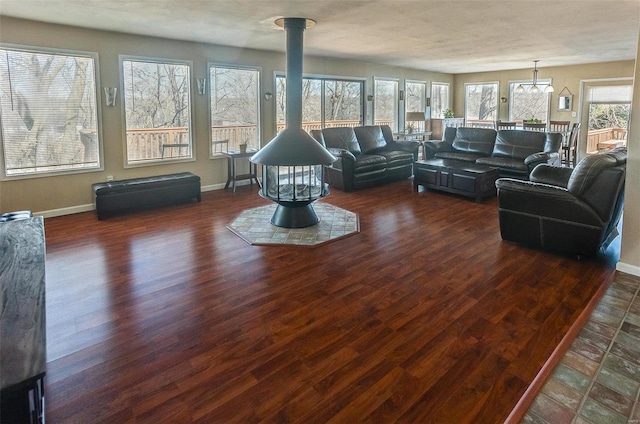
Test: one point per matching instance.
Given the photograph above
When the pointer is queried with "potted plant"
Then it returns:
(450, 120)
(410, 128)
(243, 147)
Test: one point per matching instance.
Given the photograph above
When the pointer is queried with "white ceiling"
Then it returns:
(447, 35)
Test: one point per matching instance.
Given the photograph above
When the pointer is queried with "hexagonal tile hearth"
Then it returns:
(254, 226)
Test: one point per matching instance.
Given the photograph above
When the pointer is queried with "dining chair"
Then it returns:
(559, 126)
(505, 125)
(534, 126)
(568, 156)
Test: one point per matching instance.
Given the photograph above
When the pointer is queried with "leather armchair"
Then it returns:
(571, 211)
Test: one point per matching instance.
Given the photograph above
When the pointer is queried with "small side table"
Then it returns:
(232, 176)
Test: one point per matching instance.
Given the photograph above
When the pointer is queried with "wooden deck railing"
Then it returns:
(605, 138)
(146, 144)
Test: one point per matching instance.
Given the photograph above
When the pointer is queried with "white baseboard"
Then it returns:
(89, 207)
(212, 187)
(629, 269)
(65, 211)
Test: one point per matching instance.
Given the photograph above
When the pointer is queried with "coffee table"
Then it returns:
(454, 176)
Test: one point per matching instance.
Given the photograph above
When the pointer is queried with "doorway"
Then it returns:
(606, 108)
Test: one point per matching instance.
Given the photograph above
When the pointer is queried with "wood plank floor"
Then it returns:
(425, 316)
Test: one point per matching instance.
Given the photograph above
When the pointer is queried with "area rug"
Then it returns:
(254, 226)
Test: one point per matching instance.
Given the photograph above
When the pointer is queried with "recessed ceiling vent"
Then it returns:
(293, 162)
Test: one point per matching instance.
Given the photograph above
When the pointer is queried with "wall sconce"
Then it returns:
(202, 85)
(268, 95)
(370, 97)
(110, 96)
(401, 95)
(503, 100)
(427, 101)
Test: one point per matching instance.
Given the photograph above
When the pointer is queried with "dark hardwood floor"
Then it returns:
(425, 316)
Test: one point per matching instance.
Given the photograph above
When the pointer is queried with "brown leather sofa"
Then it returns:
(367, 156)
(514, 152)
(571, 211)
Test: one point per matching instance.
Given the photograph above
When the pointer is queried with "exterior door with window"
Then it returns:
(606, 109)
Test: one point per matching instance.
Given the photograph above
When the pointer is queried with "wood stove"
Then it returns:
(293, 162)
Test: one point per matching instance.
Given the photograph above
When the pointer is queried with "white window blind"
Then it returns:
(49, 111)
(610, 94)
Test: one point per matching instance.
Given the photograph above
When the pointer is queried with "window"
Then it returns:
(609, 108)
(439, 99)
(326, 102)
(481, 103)
(385, 108)
(415, 96)
(49, 111)
(157, 107)
(529, 104)
(235, 107)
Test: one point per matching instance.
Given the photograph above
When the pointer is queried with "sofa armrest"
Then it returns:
(342, 154)
(536, 159)
(554, 175)
(545, 200)
(433, 147)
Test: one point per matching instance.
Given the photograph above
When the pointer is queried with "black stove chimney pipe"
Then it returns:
(293, 146)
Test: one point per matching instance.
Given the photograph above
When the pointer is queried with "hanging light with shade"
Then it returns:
(534, 89)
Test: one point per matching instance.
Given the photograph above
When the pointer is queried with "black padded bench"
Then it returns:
(116, 197)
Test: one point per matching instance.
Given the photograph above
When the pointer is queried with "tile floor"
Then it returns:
(598, 380)
(254, 226)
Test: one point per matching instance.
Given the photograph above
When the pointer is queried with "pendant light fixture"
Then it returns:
(534, 89)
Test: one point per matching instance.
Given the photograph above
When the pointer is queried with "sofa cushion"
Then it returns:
(587, 170)
(474, 140)
(341, 138)
(370, 138)
(387, 133)
(518, 144)
(397, 157)
(467, 157)
(504, 163)
(368, 163)
(317, 135)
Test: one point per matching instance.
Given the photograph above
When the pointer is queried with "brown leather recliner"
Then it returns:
(571, 211)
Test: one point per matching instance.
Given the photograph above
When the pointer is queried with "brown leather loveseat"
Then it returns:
(514, 152)
(572, 211)
(367, 156)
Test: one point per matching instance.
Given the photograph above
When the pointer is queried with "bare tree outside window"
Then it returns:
(235, 107)
(529, 105)
(157, 110)
(385, 103)
(439, 99)
(49, 111)
(481, 102)
(342, 101)
(415, 94)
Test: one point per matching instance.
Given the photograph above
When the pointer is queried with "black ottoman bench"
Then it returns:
(123, 196)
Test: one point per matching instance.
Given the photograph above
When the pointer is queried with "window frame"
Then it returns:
(396, 106)
(423, 99)
(513, 84)
(190, 114)
(98, 114)
(448, 100)
(258, 69)
(466, 98)
(323, 79)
